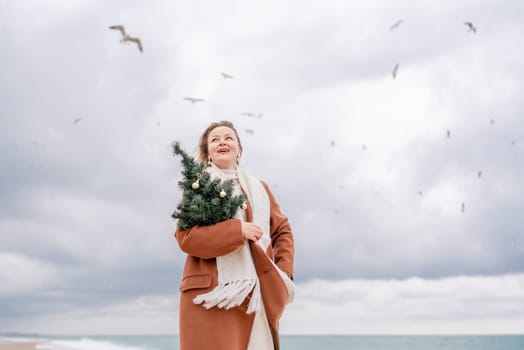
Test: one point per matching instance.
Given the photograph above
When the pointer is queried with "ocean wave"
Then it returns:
(80, 344)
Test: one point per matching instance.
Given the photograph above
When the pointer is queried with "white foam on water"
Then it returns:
(82, 344)
(10, 340)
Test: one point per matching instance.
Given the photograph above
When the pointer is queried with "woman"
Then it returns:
(238, 273)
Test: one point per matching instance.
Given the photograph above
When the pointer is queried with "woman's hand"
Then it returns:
(250, 231)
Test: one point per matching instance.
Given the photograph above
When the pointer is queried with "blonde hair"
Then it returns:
(203, 154)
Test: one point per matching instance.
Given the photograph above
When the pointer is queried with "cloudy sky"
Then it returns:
(404, 192)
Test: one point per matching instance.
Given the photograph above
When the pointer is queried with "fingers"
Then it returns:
(257, 234)
(251, 231)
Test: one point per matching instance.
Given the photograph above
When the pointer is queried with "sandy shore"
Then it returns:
(29, 345)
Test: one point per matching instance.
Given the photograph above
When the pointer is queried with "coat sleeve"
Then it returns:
(282, 241)
(211, 241)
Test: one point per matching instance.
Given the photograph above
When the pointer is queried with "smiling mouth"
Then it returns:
(222, 151)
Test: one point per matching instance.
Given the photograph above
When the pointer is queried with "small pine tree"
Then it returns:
(204, 201)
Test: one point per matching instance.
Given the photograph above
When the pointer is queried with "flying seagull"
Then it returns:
(77, 120)
(38, 145)
(471, 27)
(126, 37)
(226, 76)
(396, 24)
(332, 143)
(252, 115)
(448, 134)
(395, 69)
(193, 99)
(250, 131)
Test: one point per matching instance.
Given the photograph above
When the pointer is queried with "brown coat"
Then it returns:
(219, 329)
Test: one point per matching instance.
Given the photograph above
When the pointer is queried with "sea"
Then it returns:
(288, 342)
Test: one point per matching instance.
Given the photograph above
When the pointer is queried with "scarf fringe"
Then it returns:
(256, 300)
(232, 294)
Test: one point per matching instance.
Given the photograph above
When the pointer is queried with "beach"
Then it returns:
(29, 345)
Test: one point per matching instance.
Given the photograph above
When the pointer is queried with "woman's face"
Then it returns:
(223, 147)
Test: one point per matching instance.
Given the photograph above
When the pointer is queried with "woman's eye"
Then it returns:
(229, 138)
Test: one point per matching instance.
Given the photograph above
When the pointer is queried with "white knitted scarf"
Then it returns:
(237, 276)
